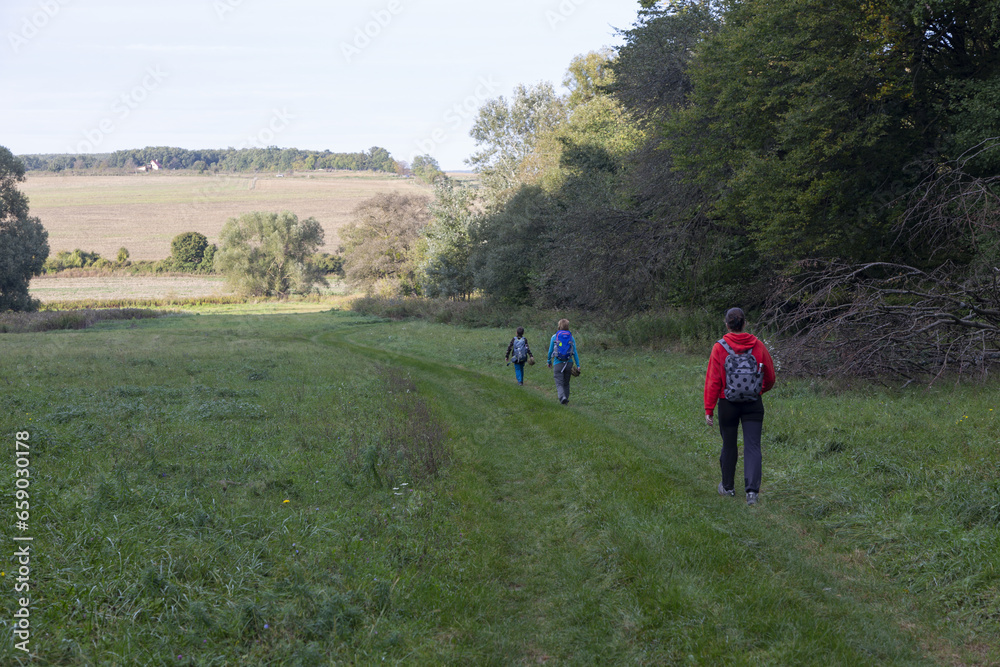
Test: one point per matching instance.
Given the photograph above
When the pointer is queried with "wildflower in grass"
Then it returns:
(286, 500)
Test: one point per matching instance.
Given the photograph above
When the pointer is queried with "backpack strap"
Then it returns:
(725, 346)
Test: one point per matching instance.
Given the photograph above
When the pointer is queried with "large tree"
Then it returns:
(808, 119)
(445, 263)
(507, 132)
(24, 243)
(270, 254)
(379, 244)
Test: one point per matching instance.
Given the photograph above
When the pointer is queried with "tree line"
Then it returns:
(229, 160)
(831, 165)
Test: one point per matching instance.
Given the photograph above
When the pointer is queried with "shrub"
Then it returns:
(188, 249)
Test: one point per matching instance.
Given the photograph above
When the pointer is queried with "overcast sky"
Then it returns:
(94, 76)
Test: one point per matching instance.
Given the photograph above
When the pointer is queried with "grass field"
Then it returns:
(315, 488)
(143, 212)
(60, 289)
(51, 288)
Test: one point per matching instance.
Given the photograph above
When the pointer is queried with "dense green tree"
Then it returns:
(588, 75)
(507, 132)
(266, 254)
(652, 75)
(510, 244)
(445, 267)
(187, 250)
(207, 264)
(379, 244)
(807, 119)
(24, 243)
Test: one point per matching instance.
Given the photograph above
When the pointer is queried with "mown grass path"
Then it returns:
(245, 489)
(593, 536)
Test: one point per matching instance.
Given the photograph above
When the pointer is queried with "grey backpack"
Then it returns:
(744, 379)
(520, 350)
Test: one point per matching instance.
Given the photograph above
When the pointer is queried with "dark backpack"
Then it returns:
(744, 379)
(520, 354)
(564, 346)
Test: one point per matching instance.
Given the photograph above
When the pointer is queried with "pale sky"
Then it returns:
(95, 76)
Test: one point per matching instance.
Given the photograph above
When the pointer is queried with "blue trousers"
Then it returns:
(519, 372)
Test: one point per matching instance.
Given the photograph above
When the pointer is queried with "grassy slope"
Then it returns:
(582, 534)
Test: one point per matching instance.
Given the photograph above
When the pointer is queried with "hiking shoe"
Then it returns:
(564, 401)
(751, 497)
(723, 491)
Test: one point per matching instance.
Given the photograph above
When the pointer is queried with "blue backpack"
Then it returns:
(564, 346)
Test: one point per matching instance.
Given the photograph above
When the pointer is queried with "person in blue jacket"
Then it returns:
(562, 350)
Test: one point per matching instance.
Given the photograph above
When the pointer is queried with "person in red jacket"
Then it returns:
(731, 413)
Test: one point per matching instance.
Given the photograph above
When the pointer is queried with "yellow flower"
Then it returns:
(286, 501)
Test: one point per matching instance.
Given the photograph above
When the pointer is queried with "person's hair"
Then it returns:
(735, 319)
(563, 325)
(520, 331)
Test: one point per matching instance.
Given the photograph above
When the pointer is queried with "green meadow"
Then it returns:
(232, 488)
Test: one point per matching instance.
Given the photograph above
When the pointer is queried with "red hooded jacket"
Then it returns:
(715, 378)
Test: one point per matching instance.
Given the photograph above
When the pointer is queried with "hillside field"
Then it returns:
(143, 212)
(326, 488)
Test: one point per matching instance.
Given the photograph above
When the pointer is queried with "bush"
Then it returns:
(330, 264)
(188, 249)
(78, 259)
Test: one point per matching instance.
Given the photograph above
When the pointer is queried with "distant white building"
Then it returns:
(154, 165)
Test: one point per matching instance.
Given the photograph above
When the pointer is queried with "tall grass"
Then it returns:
(329, 488)
(684, 330)
(82, 318)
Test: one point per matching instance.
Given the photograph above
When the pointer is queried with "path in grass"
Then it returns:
(592, 536)
(220, 489)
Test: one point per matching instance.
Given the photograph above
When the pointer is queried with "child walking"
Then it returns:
(518, 352)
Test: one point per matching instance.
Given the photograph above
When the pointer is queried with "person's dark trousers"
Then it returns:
(731, 415)
(560, 370)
